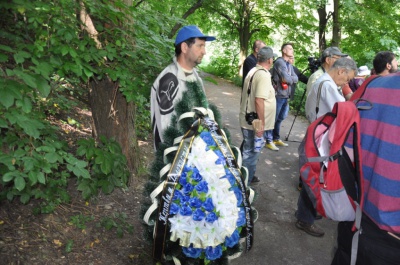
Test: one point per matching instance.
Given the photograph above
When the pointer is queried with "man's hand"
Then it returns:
(259, 133)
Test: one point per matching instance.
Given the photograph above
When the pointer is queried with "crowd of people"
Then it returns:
(268, 86)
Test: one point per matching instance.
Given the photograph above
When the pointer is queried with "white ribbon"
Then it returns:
(239, 157)
(176, 261)
(186, 115)
(169, 150)
(154, 206)
(247, 175)
(177, 140)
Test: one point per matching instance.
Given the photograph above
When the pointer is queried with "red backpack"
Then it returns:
(330, 163)
(330, 160)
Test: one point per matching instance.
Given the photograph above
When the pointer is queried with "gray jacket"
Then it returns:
(284, 72)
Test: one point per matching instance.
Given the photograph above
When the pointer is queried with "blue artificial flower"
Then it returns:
(198, 215)
(196, 175)
(213, 253)
(207, 138)
(202, 186)
(211, 217)
(188, 188)
(242, 217)
(185, 199)
(186, 169)
(183, 179)
(238, 195)
(195, 202)
(192, 252)
(177, 195)
(221, 159)
(233, 239)
(231, 178)
(174, 209)
(208, 205)
(185, 210)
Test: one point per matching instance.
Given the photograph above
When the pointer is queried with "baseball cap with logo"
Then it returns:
(331, 51)
(191, 31)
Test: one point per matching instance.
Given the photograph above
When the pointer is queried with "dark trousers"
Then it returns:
(376, 246)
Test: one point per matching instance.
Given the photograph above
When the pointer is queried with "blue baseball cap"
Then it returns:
(191, 31)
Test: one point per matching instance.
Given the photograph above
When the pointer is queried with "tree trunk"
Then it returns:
(336, 32)
(114, 117)
(323, 20)
(244, 46)
(244, 34)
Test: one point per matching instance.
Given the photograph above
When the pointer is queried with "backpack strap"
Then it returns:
(275, 74)
(249, 88)
(318, 97)
(354, 241)
(359, 93)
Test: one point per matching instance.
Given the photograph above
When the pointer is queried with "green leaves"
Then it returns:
(19, 183)
(47, 61)
(9, 91)
(107, 166)
(33, 168)
(20, 56)
(78, 167)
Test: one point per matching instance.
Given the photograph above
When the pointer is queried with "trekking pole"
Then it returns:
(298, 108)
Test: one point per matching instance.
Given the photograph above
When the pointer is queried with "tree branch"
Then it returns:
(88, 25)
(190, 11)
(138, 3)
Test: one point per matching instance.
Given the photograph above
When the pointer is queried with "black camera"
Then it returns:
(250, 117)
(313, 64)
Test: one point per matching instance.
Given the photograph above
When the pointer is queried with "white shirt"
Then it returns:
(167, 90)
(330, 94)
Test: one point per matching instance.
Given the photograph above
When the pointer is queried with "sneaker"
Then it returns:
(272, 146)
(280, 143)
(255, 179)
(311, 229)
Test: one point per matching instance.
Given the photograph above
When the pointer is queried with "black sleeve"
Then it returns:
(248, 64)
(303, 78)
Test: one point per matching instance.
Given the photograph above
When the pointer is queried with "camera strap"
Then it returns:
(249, 87)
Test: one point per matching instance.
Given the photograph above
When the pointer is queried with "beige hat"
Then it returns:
(363, 70)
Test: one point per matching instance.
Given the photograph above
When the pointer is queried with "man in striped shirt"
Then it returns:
(379, 241)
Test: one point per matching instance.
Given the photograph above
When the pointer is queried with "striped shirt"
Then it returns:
(380, 143)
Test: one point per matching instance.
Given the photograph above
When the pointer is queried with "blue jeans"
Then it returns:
(305, 210)
(268, 136)
(282, 110)
(250, 158)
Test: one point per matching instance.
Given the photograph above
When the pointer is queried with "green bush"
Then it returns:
(106, 165)
(222, 65)
(46, 62)
(297, 104)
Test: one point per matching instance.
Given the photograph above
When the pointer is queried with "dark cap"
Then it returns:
(331, 51)
(191, 31)
(264, 54)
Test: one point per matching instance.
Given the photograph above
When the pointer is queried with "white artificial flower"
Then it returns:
(202, 233)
